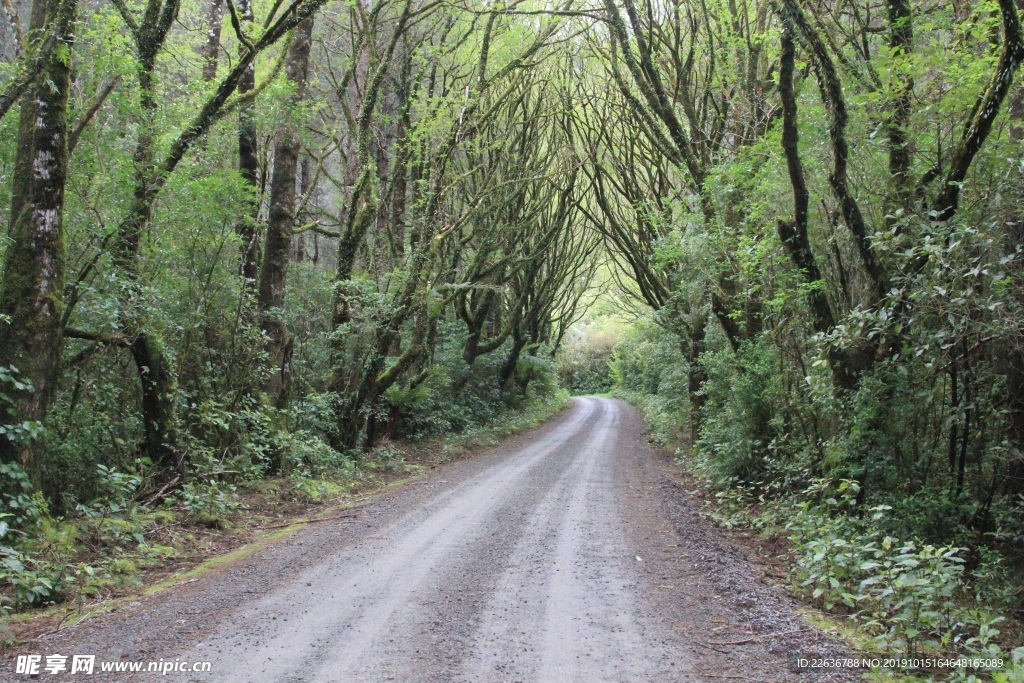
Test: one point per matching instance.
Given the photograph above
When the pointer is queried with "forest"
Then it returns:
(264, 240)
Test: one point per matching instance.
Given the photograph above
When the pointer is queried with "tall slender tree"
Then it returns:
(280, 223)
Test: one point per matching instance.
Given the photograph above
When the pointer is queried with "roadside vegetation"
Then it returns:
(814, 210)
(893, 571)
(118, 546)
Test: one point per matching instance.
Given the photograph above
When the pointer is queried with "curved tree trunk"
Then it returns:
(156, 372)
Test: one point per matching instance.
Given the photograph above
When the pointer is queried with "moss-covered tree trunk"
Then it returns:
(901, 40)
(159, 400)
(249, 167)
(34, 264)
(155, 368)
(276, 254)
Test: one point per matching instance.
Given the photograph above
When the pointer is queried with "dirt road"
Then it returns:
(567, 554)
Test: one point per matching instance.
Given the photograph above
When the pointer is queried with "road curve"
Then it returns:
(520, 572)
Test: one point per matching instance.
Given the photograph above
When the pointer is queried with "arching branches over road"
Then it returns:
(291, 230)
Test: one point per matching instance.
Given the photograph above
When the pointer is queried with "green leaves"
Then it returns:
(902, 593)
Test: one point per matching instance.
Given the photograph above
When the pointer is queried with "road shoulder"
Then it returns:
(709, 588)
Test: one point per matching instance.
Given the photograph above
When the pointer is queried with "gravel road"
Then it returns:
(566, 554)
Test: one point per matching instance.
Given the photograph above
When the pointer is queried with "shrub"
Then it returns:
(903, 593)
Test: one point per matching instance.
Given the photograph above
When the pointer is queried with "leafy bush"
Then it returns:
(742, 429)
(651, 372)
(19, 431)
(24, 583)
(21, 507)
(903, 593)
(386, 457)
(210, 502)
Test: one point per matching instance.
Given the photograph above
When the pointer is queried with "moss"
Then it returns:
(123, 567)
(162, 551)
(317, 490)
(221, 560)
(120, 526)
(160, 517)
(268, 487)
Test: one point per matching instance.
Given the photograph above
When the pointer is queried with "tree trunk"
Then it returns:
(305, 180)
(211, 48)
(901, 37)
(512, 360)
(155, 369)
(159, 401)
(793, 234)
(1014, 368)
(34, 265)
(697, 376)
(280, 224)
(249, 168)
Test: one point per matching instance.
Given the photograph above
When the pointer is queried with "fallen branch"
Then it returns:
(310, 521)
(708, 647)
(159, 495)
(758, 637)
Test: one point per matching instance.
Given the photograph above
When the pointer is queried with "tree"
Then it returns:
(277, 253)
(32, 292)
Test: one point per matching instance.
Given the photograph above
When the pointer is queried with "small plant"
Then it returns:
(209, 502)
(24, 585)
(908, 596)
(21, 507)
(386, 458)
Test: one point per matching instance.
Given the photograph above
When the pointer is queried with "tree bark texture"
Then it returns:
(280, 223)
(33, 282)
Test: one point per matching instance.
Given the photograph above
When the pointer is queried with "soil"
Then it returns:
(572, 552)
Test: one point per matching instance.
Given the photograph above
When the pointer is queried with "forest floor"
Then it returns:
(572, 552)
